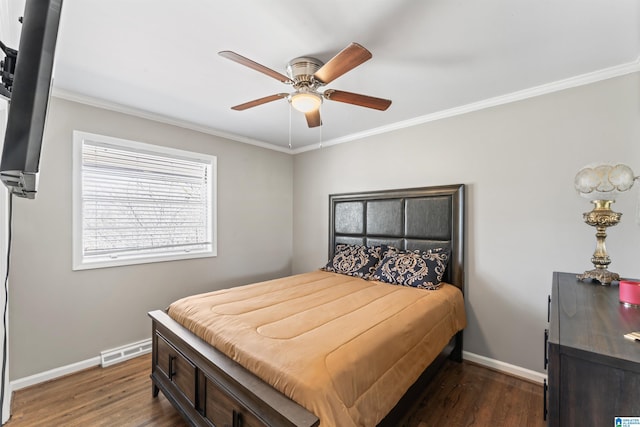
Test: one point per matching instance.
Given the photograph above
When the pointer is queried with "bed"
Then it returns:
(222, 386)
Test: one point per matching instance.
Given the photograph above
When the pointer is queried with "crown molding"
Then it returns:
(547, 88)
(119, 108)
(576, 81)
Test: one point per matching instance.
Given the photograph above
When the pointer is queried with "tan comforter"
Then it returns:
(344, 348)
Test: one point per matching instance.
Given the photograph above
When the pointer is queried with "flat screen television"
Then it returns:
(28, 94)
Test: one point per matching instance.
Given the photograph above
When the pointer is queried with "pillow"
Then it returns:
(417, 269)
(355, 260)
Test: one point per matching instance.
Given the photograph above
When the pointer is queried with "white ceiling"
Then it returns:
(159, 57)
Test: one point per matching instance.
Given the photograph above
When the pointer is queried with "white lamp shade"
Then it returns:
(306, 101)
(604, 182)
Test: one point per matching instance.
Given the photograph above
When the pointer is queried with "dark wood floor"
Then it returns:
(462, 394)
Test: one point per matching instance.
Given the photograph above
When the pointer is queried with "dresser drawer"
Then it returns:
(177, 369)
(223, 410)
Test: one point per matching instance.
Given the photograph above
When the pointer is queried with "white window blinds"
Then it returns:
(146, 204)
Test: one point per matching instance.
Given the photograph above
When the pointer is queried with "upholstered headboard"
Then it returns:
(415, 218)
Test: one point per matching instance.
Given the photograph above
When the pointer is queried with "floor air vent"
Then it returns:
(120, 354)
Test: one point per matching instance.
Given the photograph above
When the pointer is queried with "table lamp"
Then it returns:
(601, 184)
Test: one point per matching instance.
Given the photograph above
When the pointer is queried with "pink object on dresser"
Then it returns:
(630, 292)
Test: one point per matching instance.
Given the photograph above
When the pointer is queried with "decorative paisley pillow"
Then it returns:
(355, 260)
(417, 269)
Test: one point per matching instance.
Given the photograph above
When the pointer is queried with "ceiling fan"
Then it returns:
(307, 75)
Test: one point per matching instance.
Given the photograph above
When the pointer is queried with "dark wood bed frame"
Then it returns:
(209, 389)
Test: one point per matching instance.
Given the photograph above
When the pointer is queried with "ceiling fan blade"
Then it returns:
(347, 59)
(259, 101)
(313, 118)
(357, 99)
(255, 66)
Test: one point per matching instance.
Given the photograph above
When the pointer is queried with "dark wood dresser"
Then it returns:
(594, 372)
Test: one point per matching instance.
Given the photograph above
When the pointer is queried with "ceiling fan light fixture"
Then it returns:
(306, 102)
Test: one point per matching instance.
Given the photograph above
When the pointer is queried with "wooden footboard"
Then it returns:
(209, 389)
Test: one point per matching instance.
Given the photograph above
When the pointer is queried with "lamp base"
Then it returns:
(605, 277)
(601, 217)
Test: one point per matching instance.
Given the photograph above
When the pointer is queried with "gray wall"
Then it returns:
(58, 316)
(524, 219)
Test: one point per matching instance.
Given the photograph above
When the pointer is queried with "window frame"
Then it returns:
(79, 261)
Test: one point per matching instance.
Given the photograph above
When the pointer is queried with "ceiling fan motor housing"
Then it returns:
(301, 71)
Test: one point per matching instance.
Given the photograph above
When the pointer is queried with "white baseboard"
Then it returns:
(507, 368)
(54, 373)
(21, 383)
(138, 348)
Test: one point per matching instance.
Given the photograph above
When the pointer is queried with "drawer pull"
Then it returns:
(544, 400)
(237, 419)
(548, 308)
(172, 371)
(546, 348)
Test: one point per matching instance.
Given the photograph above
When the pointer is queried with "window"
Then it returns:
(137, 203)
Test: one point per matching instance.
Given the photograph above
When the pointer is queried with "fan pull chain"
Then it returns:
(637, 183)
(290, 147)
(320, 109)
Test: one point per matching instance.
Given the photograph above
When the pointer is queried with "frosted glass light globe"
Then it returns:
(306, 101)
(603, 182)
